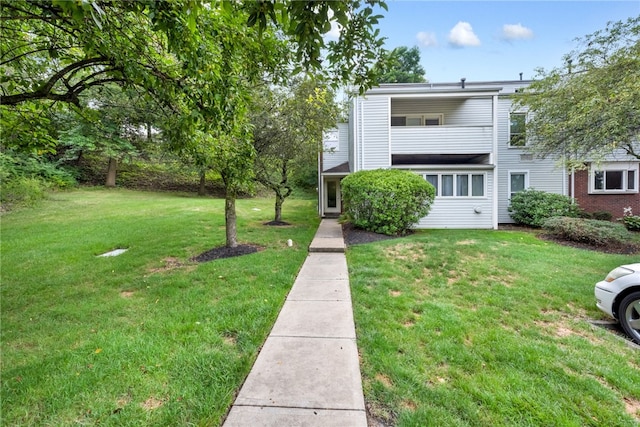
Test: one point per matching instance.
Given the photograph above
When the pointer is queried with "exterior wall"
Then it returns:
(339, 155)
(374, 133)
(613, 203)
(452, 212)
(543, 174)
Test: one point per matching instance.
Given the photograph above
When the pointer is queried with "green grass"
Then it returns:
(489, 328)
(148, 337)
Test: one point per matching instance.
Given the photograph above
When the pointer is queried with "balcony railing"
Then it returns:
(441, 139)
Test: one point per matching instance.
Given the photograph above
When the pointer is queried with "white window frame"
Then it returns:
(422, 117)
(517, 172)
(526, 119)
(624, 167)
(469, 174)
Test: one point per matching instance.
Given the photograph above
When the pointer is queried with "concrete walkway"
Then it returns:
(308, 373)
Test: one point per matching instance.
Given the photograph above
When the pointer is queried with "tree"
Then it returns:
(200, 60)
(403, 66)
(287, 134)
(590, 108)
(117, 124)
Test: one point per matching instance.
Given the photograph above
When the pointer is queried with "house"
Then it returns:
(608, 186)
(462, 137)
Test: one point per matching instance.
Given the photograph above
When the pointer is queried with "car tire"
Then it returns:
(630, 315)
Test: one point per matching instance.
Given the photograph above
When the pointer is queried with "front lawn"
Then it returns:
(148, 337)
(489, 328)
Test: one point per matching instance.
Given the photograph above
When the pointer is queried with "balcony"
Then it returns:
(441, 139)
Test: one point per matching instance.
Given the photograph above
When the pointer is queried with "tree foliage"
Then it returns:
(199, 60)
(403, 66)
(287, 133)
(591, 108)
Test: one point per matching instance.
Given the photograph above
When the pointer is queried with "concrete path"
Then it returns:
(308, 373)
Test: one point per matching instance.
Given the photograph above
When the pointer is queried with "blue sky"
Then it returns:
(483, 40)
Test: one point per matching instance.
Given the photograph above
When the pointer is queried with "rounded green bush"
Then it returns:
(386, 201)
(533, 207)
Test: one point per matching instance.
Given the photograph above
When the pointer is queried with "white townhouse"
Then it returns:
(464, 138)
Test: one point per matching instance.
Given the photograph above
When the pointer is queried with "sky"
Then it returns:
(495, 40)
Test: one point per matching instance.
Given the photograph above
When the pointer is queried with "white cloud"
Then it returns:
(462, 35)
(334, 32)
(516, 32)
(427, 39)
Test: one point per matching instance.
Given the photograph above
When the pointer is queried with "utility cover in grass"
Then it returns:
(115, 252)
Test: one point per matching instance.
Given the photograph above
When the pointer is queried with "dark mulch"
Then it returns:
(225, 252)
(611, 248)
(277, 223)
(355, 236)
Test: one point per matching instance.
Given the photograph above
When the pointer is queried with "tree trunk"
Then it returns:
(111, 172)
(201, 187)
(279, 202)
(230, 220)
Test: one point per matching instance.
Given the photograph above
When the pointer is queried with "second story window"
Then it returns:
(517, 136)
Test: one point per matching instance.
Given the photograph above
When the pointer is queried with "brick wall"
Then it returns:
(613, 203)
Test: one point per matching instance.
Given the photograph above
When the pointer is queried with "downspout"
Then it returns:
(362, 136)
(573, 183)
(496, 171)
(389, 131)
(320, 186)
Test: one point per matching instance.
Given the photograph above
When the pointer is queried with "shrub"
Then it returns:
(632, 222)
(602, 215)
(387, 201)
(22, 191)
(590, 231)
(532, 207)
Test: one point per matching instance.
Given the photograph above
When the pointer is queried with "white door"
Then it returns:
(332, 196)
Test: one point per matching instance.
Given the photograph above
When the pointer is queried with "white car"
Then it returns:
(618, 295)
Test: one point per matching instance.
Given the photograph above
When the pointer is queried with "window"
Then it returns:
(433, 180)
(614, 180)
(518, 181)
(417, 120)
(517, 136)
(447, 186)
(457, 185)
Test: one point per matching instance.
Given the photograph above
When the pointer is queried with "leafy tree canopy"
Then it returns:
(403, 66)
(199, 59)
(591, 108)
(287, 135)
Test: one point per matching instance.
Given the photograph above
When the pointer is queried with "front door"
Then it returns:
(332, 196)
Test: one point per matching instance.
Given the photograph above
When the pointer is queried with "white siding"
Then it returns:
(451, 212)
(341, 153)
(374, 134)
(544, 174)
(441, 139)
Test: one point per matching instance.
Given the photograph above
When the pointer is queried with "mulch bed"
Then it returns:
(277, 223)
(225, 252)
(355, 236)
(611, 248)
